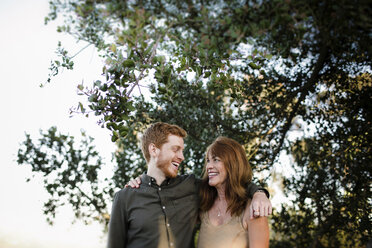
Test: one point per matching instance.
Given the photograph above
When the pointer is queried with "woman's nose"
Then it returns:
(209, 165)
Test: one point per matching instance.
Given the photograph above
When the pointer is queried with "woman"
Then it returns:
(223, 199)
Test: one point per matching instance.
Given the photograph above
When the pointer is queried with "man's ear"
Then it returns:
(153, 150)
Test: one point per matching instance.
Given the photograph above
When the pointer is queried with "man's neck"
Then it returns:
(155, 172)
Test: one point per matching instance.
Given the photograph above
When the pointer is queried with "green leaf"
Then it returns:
(113, 48)
(254, 66)
(129, 63)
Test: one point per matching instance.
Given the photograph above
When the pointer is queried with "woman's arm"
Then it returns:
(258, 232)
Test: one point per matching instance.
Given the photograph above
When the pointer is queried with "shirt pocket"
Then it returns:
(186, 208)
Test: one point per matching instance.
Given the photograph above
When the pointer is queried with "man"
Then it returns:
(164, 210)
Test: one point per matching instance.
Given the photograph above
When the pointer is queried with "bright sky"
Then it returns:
(26, 48)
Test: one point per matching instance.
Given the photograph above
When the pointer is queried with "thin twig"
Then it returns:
(80, 51)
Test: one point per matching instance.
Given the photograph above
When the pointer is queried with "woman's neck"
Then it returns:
(221, 193)
(218, 214)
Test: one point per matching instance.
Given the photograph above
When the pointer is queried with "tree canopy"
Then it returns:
(255, 71)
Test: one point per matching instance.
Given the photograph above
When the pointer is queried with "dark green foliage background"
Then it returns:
(248, 70)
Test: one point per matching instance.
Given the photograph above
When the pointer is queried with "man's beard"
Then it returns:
(166, 167)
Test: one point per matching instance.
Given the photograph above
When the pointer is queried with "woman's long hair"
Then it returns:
(239, 175)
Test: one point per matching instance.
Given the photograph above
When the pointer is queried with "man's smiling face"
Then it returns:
(170, 156)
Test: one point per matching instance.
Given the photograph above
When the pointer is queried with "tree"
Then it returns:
(248, 70)
(70, 174)
(333, 196)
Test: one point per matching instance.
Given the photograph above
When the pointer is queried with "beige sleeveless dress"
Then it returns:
(228, 235)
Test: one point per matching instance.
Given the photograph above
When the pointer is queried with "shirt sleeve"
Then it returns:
(117, 230)
(253, 188)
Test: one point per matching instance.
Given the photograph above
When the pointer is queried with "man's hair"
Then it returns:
(158, 134)
(238, 176)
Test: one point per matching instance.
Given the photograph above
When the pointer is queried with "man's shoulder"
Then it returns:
(128, 191)
(122, 192)
(128, 195)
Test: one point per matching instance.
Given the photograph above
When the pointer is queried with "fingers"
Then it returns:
(256, 213)
(138, 180)
(260, 210)
(133, 183)
(261, 206)
(263, 211)
(251, 212)
(268, 210)
(256, 209)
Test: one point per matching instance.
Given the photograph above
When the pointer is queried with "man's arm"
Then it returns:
(253, 188)
(117, 230)
(260, 206)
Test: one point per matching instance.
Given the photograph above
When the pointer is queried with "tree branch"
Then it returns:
(309, 85)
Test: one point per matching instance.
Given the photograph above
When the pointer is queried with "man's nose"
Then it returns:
(180, 155)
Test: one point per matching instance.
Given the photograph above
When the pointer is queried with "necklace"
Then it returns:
(218, 208)
(219, 214)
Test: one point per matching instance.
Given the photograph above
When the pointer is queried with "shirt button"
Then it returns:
(163, 207)
(168, 224)
(150, 183)
(159, 189)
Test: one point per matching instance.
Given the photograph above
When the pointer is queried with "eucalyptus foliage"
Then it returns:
(252, 70)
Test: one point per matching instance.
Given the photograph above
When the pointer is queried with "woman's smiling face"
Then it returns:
(216, 171)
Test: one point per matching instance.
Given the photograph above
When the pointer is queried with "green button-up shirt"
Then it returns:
(156, 216)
